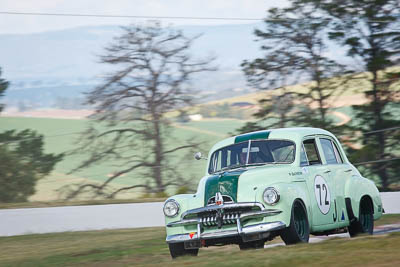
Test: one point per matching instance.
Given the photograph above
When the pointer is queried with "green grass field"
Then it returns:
(147, 247)
(60, 136)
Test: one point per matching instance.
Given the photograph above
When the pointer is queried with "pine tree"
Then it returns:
(22, 161)
(369, 30)
(294, 43)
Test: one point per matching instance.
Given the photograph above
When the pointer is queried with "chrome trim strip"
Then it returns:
(239, 226)
(183, 222)
(259, 214)
(223, 206)
(252, 229)
(199, 230)
(263, 227)
(218, 234)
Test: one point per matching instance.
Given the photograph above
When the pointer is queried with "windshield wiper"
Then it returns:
(247, 165)
(241, 165)
(231, 167)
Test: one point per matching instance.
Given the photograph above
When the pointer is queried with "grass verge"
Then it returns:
(146, 247)
(388, 219)
(43, 204)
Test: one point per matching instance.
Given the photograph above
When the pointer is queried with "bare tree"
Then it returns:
(130, 127)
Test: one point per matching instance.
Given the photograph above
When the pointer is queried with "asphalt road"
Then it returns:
(99, 217)
(80, 218)
(381, 230)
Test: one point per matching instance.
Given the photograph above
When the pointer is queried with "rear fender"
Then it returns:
(358, 187)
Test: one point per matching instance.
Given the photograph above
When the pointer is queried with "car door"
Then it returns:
(320, 185)
(340, 172)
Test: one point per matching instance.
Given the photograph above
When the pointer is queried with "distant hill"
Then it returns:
(46, 67)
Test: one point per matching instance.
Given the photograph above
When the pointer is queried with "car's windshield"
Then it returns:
(252, 153)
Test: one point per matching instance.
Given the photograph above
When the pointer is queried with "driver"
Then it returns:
(243, 157)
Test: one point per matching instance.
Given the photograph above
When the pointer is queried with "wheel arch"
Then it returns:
(353, 206)
(368, 198)
(291, 192)
(299, 199)
(356, 189)
(302, 202)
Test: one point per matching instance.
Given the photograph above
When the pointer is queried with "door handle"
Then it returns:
(327, 171)
(348, 170)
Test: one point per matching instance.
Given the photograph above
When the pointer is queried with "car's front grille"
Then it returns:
(228, 218)
(224, 214)
(219, 215)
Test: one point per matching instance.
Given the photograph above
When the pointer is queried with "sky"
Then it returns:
(11, 24)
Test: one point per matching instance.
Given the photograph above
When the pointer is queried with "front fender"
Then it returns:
(185, 201)
(289, 192)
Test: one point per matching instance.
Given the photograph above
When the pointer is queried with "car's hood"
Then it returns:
(227, 182)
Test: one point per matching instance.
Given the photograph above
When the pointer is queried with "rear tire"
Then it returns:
(252, 245)
(178, 250)
(299, 229)
(365, 222)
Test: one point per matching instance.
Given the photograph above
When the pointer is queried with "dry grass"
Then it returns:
(146, 247)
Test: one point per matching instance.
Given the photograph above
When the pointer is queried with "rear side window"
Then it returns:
(337, 153)
(312, 152)
(329, 151)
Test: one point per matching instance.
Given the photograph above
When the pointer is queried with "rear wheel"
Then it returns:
(298, 230)
(365, 222)
(178, 250)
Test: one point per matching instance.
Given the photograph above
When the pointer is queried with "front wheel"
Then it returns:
(299, 229)
(365, 223)
(178, 250)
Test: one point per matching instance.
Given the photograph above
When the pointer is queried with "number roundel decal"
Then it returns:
(322, 194)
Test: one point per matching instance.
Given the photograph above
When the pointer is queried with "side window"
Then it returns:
(329, 151)
(312, 152)
(338, 156)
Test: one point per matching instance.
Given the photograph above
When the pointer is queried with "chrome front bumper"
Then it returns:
(226, 214)
(240, 232)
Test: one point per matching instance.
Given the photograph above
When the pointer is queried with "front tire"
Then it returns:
(299, 229)
(178, 250)
(365, 222)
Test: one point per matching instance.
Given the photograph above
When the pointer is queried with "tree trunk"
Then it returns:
(158, 155)
(321, 104)
(380, 137)
(383, 176)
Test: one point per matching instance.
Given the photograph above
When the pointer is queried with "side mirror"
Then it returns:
(198, 156)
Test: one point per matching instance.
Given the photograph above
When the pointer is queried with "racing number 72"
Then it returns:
(318, 186)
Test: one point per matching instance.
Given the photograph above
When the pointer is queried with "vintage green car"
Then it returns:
(289, 182)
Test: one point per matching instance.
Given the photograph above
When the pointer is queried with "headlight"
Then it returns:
(171, 208)
(271, 196)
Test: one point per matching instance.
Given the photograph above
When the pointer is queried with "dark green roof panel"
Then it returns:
(252, 136)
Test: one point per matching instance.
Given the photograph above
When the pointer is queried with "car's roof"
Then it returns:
(295, 133)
